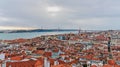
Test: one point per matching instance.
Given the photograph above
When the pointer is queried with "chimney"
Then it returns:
(56, 62)
(73, 65)
(4, 64)
(46, 62)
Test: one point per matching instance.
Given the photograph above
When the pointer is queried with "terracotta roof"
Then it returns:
(107, 65)
(111, 62)
(21, 64)
(39, 64)
(93, 66)
(51, 61)
(16, 58)
(48, 54)
(61, 62)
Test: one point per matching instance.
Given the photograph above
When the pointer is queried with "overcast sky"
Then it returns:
(87, 14)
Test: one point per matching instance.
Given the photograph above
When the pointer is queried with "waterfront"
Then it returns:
(10, 36)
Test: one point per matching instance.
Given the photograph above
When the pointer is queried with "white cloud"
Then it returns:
(2, 19)
(89, 21)
(15, 28)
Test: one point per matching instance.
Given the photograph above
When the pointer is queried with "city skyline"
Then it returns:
(66, 14)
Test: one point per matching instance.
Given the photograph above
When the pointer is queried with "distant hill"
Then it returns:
(36, 30)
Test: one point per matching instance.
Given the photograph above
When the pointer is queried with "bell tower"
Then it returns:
(109, 47)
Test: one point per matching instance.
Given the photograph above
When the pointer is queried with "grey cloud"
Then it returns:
(32, 13)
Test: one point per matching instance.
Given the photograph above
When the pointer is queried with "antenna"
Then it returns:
(41, 27)
(58, 29)
(79, 31)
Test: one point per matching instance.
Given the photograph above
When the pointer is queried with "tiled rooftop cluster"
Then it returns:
(86, 49)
